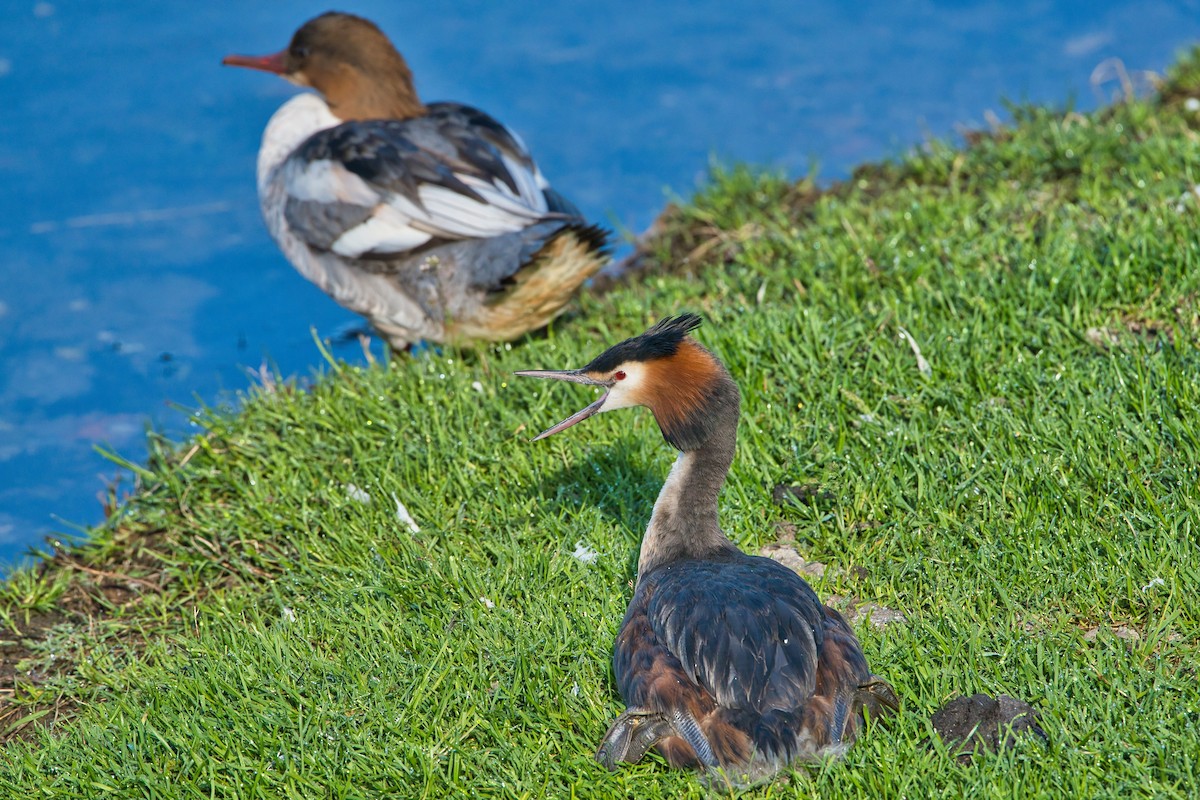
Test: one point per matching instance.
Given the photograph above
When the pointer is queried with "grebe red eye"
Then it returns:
(619, 375)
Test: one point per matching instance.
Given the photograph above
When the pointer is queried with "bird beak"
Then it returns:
(574, 376)
(275, 63)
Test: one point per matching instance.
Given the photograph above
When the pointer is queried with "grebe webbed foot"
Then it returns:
(630, 736)
(877, 699)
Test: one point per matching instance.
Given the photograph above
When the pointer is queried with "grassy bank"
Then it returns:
(984, 362)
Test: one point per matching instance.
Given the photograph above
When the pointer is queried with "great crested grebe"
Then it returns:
(726, 661)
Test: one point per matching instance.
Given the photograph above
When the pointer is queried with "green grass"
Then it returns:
(243, 627)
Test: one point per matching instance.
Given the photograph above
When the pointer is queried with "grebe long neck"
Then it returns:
(684, 524)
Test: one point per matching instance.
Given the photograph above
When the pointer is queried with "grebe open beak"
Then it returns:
(574, 376)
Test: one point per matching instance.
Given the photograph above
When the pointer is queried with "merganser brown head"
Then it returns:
(686, 387)
(350, 62)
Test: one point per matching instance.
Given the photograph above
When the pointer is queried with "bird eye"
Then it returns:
(300, 52)
(619, 375)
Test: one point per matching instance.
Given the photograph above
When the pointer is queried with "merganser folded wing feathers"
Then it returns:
(433, 221)
(405, 194)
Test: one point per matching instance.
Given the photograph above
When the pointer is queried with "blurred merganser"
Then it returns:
(432, 221)
(727, 662)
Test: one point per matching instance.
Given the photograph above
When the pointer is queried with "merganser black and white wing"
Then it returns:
(366, 189)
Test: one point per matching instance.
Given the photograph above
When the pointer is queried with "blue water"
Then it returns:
(137, 277)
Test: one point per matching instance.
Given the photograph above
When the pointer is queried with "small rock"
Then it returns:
(1100, 337)
(788, 556)
(970, 724)
(879, 616)
(1120, 631)
(785, 531)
